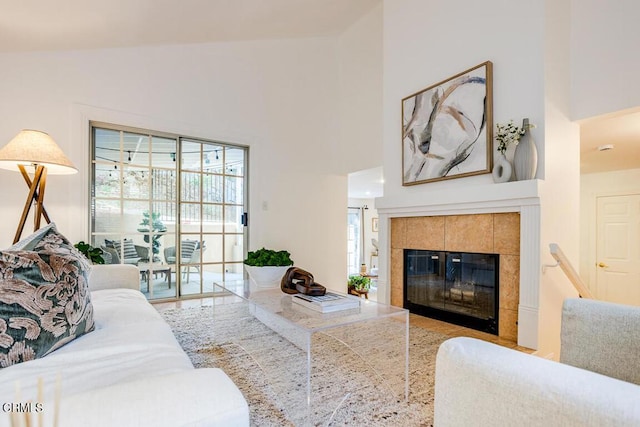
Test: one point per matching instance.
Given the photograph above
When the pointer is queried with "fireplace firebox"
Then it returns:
(456, 287)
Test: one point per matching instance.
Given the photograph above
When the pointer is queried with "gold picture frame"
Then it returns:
(447, 128)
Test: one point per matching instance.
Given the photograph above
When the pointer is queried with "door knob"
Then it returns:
(602, 265)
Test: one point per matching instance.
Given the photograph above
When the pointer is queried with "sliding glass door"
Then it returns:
(171, 206)
(212, 200)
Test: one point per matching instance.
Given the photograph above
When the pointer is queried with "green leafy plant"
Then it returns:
(151, 222)
(359, 283)
(93, 254)
(268, 258)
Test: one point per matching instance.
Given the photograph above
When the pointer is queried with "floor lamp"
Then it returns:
(32, 148)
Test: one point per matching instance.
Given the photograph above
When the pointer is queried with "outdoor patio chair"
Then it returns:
(132, 253)
(189, 256)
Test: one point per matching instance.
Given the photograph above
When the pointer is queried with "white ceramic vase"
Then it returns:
(502, 170)
(525, 159)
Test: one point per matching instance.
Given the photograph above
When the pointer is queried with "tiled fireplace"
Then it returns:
(479, 217)
(494, 233)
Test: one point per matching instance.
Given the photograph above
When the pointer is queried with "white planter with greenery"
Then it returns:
(266, 267)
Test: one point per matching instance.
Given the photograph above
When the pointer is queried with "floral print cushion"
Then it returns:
(44, 298)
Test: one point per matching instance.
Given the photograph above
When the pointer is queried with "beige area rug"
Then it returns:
(349, 387)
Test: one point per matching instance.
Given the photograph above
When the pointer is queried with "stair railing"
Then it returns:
(569, 271)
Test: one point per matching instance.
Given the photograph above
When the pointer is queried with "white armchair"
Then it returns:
(595, 384)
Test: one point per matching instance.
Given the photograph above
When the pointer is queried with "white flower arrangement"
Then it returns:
(509, 134)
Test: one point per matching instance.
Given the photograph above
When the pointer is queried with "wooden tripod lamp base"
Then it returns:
(38, 149)
(36, 196)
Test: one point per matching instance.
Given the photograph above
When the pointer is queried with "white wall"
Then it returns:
(528, 42)
(360, 58)
(278, 97)
(560, 192)
(427, 42)
(307, 214)
(594, 185)
(604, 60)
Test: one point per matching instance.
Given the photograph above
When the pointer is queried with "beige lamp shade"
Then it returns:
(32, 147)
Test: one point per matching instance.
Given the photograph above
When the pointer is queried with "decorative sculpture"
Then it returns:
(297, 280)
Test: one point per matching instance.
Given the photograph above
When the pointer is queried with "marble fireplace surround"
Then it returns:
(494, 233)
(504, 209)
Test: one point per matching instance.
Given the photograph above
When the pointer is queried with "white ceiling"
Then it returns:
(620, 130)
(366, 184)
(35, 25)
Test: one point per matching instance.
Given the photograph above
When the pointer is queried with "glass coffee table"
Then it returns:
(316, 362)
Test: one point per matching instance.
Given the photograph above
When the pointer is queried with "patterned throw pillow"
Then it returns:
(44, 298)
(128, 247)
(187, 247)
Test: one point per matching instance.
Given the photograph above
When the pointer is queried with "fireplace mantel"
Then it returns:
(476, 198)
(520, 196)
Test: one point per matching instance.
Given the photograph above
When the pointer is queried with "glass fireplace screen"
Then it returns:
(459, 287)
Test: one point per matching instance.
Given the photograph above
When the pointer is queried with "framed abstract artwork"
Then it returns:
(447, 128)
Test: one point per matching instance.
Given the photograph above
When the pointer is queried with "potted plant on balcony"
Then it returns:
(267, 266)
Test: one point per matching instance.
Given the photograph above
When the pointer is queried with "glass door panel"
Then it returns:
(191, 156)
(135, 182)
(233, 219)
(233, 248)
(190, 184)
(107, 181)
(235, 161)
(233, 189)
(135, 149)
(190, 217)
(133, 204)
(212, 188)
(213, 253)
(213, 159)
(163, 155)
(212, 218)
(208, 193)
(233, 271)
(211, 273)
(133, 214)
(107, 216)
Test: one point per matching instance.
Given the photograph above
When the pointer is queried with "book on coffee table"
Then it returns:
(326, 303)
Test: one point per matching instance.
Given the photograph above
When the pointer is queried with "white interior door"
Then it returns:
(618, 249)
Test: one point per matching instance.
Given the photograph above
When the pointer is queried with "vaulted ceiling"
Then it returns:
(35, 25)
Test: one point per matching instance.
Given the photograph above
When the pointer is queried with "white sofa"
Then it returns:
(595, 383)
(130, 371)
